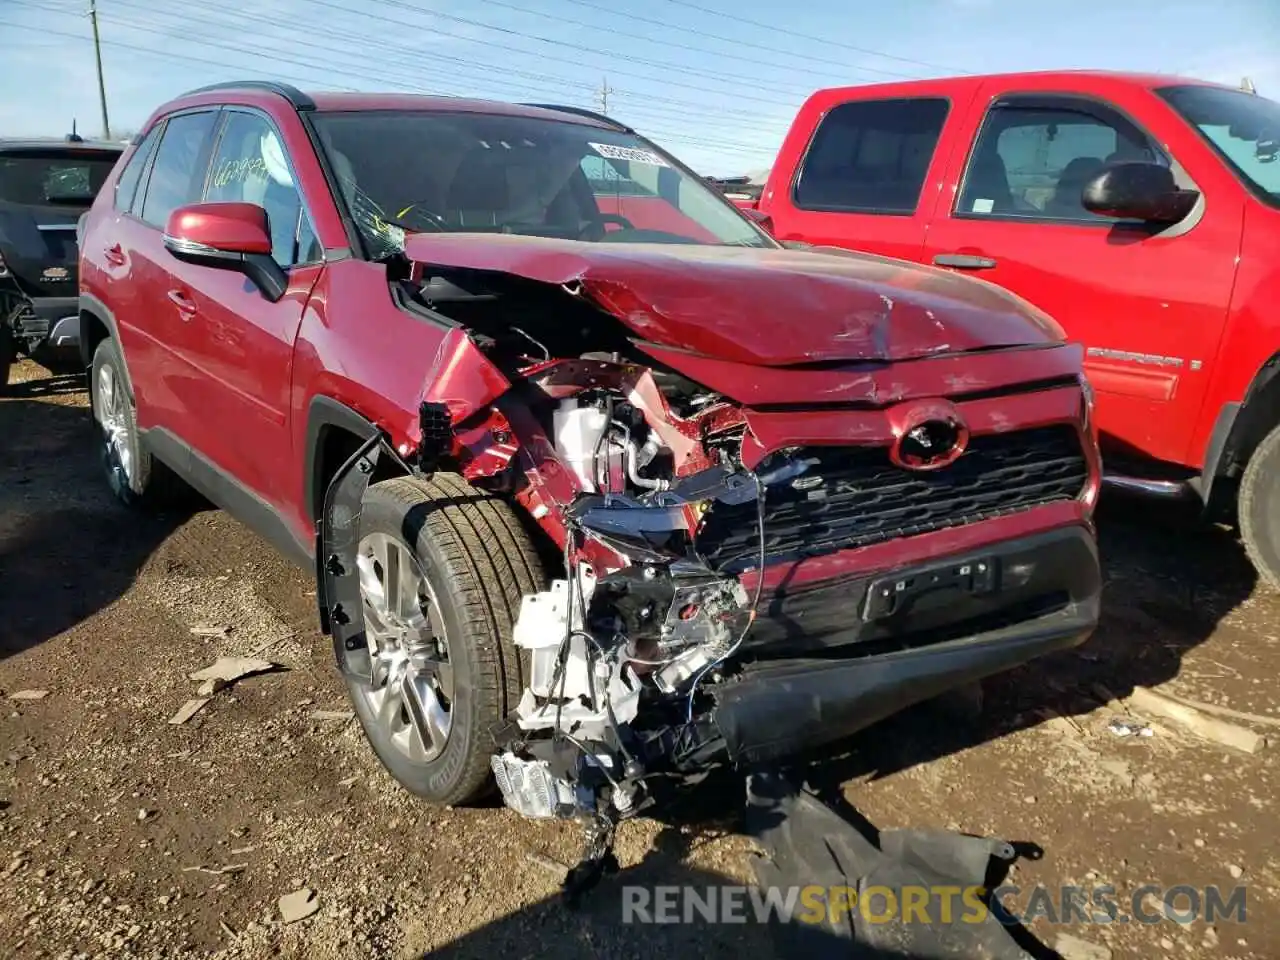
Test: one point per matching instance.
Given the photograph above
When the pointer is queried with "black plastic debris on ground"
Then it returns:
(809, 843)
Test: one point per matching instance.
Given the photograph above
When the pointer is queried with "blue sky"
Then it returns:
(695, 75)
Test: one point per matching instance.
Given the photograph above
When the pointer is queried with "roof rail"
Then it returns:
(582, 112)
(298, 99)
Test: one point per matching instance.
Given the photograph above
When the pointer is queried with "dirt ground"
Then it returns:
(123, 834)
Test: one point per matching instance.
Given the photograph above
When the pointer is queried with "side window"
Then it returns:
(127, 184)
(871, 156)
(249, 166)
(1033, 161)
(177, 175)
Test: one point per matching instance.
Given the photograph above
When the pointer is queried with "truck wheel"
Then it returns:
(443, 568)
(134, 476)
(1259, 508)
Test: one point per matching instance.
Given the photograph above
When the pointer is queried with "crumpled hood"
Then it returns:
(766, 307)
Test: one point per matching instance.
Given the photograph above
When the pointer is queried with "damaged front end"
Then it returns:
(758, 560)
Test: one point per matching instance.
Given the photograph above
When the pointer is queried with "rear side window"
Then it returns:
(47, 178)
(127, 184)
(1034, 156)
(177, 176)
(871, 156)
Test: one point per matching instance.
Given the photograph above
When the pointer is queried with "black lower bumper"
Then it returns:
(1045, 595)
(51, 321)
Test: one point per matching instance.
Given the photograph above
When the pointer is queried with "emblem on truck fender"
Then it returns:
(928, 436)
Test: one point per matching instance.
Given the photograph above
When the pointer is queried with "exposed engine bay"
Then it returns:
(716, 603)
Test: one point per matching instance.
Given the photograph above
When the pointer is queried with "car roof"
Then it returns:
(1149, 80)
(258, 93)
(13, 144)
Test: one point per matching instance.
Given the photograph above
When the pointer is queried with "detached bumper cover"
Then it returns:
(1045, 595)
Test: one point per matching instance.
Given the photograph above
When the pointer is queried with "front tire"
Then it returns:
(443, 568)
(1258, 508)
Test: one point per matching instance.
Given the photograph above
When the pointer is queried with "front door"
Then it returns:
(1148, 305)
(241, 344)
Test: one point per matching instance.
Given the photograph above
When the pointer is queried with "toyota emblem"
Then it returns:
(931, 444)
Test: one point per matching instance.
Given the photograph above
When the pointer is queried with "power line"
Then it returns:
(807, 57)
(774, 28)
(339, 70)
(667, 41)
(703, 75)
(411, 84)
(698, 111)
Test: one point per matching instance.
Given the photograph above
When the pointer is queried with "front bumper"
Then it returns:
(1040, 593)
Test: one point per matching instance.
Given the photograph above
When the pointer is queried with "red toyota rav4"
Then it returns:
(442, 351)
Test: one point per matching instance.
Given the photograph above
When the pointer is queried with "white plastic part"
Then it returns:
(578, 431)
(588, 694)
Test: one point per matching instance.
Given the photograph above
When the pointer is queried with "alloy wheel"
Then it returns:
(411, 690)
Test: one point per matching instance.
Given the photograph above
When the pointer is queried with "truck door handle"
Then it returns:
(186, 306)
(963, 261)
(114, 254)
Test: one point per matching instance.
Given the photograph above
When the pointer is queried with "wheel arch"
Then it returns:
(334, 433)
(98, 323)
(1239, 429)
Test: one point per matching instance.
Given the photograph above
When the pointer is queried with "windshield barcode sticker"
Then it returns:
(636, 154)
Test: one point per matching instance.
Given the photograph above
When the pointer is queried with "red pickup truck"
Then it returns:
(1141, 212)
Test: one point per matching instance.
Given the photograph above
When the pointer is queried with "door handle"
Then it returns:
(114, 254)
(963, 261)
(186, 306)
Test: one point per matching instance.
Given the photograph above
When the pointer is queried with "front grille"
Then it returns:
(862, 498)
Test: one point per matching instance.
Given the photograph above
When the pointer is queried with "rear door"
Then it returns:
(152, 327)
(867, 178)
(1149, 305)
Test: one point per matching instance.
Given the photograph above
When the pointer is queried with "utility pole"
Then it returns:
(97, 53)
(605, 90)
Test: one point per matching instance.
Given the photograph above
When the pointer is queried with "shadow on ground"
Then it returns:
(67, 547)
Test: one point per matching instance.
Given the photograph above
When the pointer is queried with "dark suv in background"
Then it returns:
(45, 187)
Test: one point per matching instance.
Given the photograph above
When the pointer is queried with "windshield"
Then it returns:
(45, 178)
(486, 173)
(1243, 127)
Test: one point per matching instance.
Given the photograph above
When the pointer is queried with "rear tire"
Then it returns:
(1258, 508)
(135, 477)
(477, 563)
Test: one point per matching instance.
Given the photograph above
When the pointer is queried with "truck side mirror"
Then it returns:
(1138, 191)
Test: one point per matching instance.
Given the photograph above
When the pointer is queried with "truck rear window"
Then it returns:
(871, 156)
(39, 178)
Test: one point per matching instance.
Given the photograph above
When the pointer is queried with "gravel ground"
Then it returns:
(123, 834)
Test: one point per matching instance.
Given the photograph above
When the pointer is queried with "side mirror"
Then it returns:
(763, 220)
(227, 236)
(1138, 191)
